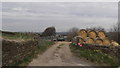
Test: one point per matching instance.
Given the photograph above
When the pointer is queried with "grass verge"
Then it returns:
(43, 45)
(94, 55)
(39, 45)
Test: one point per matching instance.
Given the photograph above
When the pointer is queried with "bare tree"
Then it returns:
(72, 33)
(115, 32)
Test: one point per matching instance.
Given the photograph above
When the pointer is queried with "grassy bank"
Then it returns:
(95, 56)
(16, 36)
(40, 48)
(27, 49)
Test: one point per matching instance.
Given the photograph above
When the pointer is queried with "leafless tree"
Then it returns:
(115, 32)
(72, 33)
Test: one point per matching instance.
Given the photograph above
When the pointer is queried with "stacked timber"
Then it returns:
(95, 37)
(89, 40)
(106, 41)
(101, 35)
(92, 34)
(98, 41)
(83, 34)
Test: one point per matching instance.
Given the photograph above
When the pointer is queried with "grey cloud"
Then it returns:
(78, 9)
(37, 16)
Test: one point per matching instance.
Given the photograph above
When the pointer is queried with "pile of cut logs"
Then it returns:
(95, 37)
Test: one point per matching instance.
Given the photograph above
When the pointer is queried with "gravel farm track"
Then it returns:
(60, 56)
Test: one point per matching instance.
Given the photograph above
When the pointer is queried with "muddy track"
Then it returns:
(60, 55)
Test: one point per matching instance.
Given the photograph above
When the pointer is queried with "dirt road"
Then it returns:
(59, 55)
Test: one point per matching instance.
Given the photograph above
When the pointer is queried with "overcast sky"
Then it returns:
(36, 16)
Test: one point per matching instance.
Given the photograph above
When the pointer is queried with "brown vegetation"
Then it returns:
(72, 33)
(14, 52)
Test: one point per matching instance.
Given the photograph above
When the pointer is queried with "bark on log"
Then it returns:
(99, 41)
(82, 33)
(92, 34)
(89, 41)
(101, 34)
